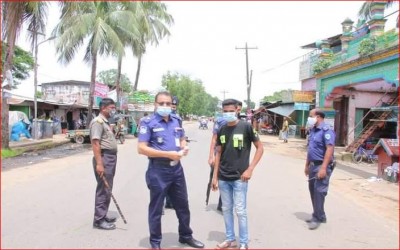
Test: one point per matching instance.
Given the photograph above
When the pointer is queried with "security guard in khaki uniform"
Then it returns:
(104, 148)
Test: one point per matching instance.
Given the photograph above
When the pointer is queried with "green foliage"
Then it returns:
(109, 77)
(39, 94)
(367, 46)
(323, 63)
(193, 99)
(8, 153)
(141, 96)
(388, 38)
(23, 62)
(276, 96)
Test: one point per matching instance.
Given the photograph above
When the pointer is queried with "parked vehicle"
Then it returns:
(78, 135)
(120, 133)
(363, 154)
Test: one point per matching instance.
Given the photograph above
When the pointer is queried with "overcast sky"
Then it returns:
(203, 41)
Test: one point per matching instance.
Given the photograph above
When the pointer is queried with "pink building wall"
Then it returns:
(309, 84)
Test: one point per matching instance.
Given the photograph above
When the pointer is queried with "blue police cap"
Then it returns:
(175, 100)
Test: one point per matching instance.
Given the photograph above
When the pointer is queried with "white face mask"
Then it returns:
(312, 121)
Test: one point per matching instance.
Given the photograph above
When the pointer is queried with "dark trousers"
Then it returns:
(163, 180)
(103, 197)
(318, 191)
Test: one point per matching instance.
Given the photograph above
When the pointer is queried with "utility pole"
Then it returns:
(224, 92)
(248, 78)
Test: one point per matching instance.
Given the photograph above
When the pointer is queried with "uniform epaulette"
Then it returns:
(326, 127)
(99, 120)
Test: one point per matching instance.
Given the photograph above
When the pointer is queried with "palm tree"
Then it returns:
(95, 23)
(152, 20)
(15, 14)
(365, 10)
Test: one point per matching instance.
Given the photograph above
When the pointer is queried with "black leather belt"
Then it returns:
(163, 162)
(317, 162)
(108, 152)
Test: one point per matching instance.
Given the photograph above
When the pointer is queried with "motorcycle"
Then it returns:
(203, 124)
(120, 133)
(270, 130)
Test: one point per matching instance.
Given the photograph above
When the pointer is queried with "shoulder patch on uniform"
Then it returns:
(327, 136)
(143, 130)
(326, 127)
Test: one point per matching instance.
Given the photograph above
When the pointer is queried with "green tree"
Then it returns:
(365, 10)
(110, 77)
(276, 96)
(23, 63)
(92, 22)
(153, 19)
(14, 15)
(193, 99)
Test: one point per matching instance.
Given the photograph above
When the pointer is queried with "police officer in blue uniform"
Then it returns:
(174, 106)
(319, 165)
(162, 139)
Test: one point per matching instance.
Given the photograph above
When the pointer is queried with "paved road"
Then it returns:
(50, 205)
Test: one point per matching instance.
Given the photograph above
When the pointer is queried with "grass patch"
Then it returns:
(8, 153)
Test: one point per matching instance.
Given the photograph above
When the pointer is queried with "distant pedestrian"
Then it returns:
(285, 129)
(319, 165)
(105, 150)
(233, 170)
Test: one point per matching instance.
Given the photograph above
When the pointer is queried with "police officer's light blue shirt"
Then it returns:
(219, 123)
(320, 137)
(160, 134)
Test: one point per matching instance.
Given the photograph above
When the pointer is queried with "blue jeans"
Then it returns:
(233, 195)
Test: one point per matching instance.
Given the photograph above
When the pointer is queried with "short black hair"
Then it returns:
(239, 103)
(320, 113)
(228, 102)
(166, 93)
(105, 102)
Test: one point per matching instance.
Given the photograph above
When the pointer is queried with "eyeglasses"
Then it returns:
(164, 103)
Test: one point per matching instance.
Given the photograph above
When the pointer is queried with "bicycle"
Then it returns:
(362, 154)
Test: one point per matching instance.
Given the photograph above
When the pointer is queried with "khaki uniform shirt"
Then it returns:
(285, 126)
(100, 129)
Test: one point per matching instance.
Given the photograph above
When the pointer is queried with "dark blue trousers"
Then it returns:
(163, 180)
(103, 197)
(318, 190)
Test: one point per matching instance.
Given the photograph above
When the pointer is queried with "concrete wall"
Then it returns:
(309, 84)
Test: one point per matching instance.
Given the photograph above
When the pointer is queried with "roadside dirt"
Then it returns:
(381, 197)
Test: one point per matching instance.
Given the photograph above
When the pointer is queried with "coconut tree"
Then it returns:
(365, 10)
(93, 23)
(14, 15)
(152, 23)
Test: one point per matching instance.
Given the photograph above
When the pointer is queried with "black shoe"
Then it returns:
(103, 225)
(110, 219)
(192, 242)
(313, 219)
(313, 225)
(155, 246)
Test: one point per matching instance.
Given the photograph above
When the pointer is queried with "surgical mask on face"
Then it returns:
(164, 111)
(312, 121)
(229, 116)
(112, 112)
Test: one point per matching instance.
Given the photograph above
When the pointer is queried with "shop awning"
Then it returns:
(284, 110)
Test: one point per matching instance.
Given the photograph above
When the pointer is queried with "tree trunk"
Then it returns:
(5, 131)
(137, 73)
(92, 86)
(118, 83)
